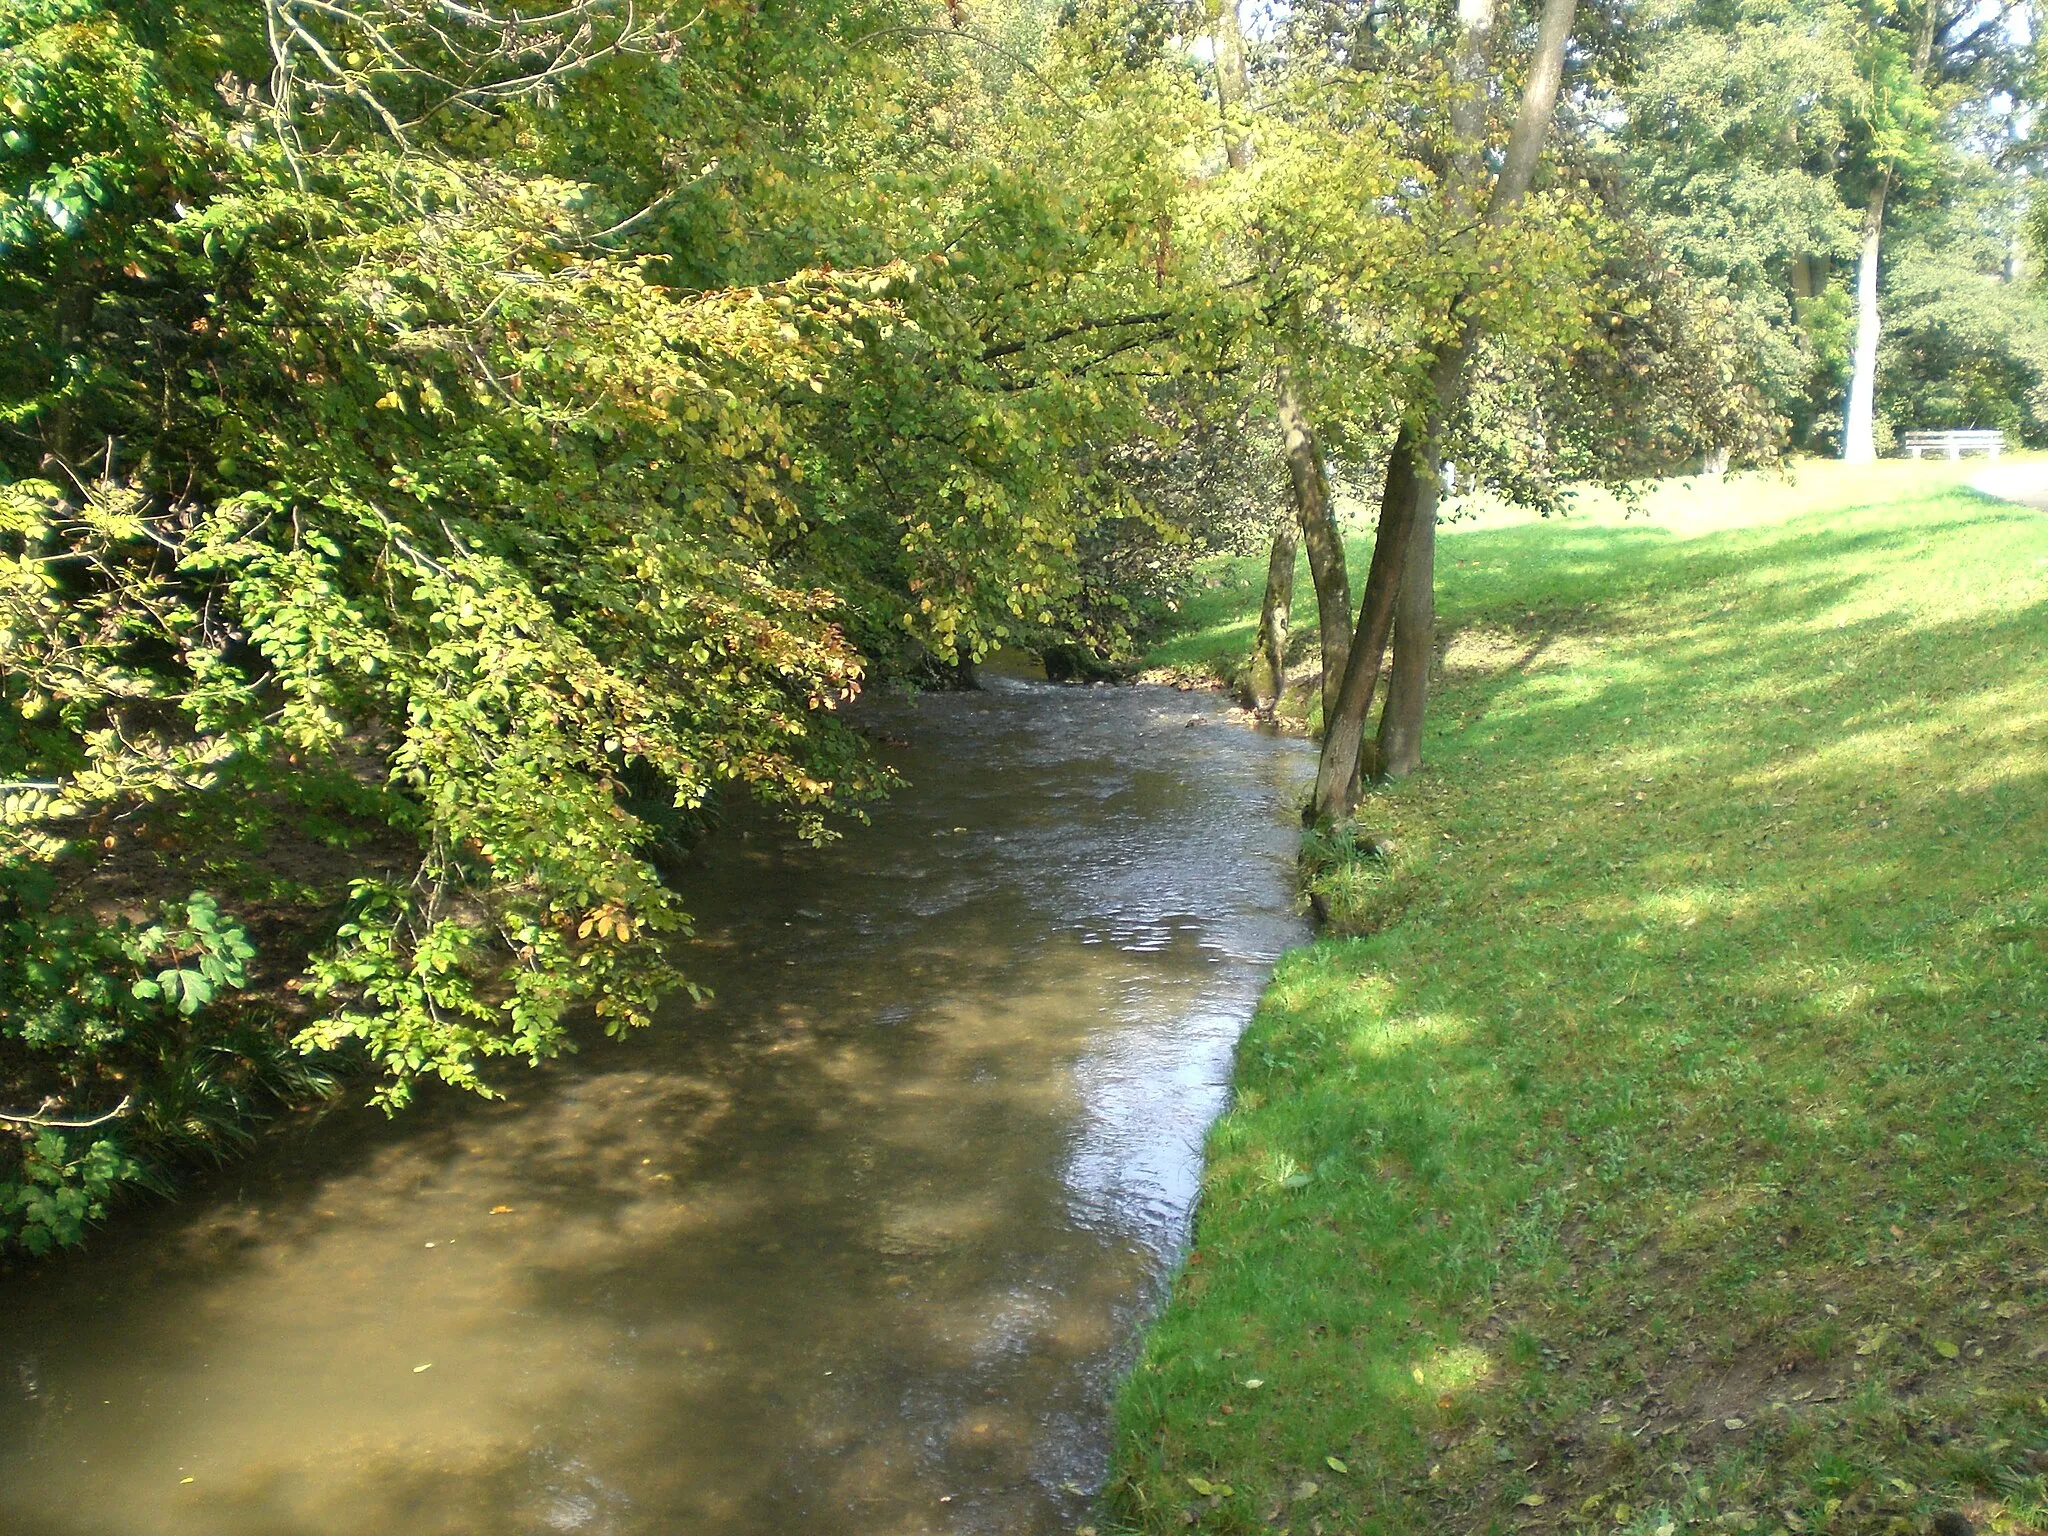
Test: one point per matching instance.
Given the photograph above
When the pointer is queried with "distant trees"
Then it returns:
(1823, 162)
(1736, 197)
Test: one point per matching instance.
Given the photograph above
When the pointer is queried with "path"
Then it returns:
(2026, 483)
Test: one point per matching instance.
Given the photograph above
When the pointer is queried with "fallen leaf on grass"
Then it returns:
(1532, 1500)
(1306, 1489)
(1253, 1383)
(1334, 1464)
(1946, 1348)
(1209, 1490)
(1733, 1424)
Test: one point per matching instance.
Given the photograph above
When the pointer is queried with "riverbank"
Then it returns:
(1673, 1157)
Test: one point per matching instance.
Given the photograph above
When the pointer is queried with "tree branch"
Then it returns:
(41, 1118)
(1539, 100)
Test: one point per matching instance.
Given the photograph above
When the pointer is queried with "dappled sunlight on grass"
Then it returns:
(1382, 1038)
(1456, 1369)
(1693, 1071)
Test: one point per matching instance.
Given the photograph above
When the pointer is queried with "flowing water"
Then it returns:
(860, 1244)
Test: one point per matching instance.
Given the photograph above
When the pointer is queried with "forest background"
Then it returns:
(447, 454)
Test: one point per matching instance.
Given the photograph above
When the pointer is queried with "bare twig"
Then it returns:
(42, 1119)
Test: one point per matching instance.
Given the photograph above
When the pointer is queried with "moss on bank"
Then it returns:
(1673, 1155)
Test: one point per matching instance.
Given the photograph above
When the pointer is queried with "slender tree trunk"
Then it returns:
(1413, 463)
(1859, 424)
(1398, 751)
(1338, 769)
(1306, 475)
(1400, 741)
(1269, 651)
(1859, 419)
(1318, 518)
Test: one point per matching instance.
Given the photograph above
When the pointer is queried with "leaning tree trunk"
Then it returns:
(1414, 458)
(1338, 769)
(1307, 479)
(1269, 650)
(1318, 519)
(1400, 740)
(1398, 750)
(1859, 425)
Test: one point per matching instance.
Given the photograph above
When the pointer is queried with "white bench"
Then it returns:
(1955, 444)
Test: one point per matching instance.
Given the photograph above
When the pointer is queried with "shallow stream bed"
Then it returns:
(858, 1245)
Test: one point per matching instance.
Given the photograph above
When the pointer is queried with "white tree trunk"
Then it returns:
(1859, 434)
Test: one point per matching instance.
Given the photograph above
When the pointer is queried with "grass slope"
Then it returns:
(1673, 1159)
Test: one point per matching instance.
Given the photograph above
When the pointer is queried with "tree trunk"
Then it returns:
(1414, 459)
(1318, 520)
(1400, 741)
(1859, 424)
(1307, 478)
(1338, 769)
(1269, 651)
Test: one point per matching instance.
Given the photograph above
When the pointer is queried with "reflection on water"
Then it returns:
(858, 1245)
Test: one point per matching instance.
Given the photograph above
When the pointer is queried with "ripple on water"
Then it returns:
(859, 1244)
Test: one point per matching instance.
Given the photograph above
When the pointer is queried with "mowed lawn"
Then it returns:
(1674, 1156)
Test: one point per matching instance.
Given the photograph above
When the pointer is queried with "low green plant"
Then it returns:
(122, 1034)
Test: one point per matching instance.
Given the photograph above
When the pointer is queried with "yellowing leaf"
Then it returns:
(1532, 1500)
(1946, 1348)
(1334, 1464)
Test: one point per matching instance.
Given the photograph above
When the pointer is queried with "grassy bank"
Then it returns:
(1673, 1156)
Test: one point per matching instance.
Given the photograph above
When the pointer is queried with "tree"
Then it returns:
(487, 443)
(1777, 146)
(1415, 462)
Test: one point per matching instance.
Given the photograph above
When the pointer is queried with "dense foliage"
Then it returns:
(1754, 135)
(446, 454)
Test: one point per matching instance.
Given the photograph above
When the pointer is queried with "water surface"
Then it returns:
(858, 1245)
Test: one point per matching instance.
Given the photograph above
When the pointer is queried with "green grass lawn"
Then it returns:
(1672, 1156)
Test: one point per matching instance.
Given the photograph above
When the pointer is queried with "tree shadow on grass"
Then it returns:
(1713, 1056)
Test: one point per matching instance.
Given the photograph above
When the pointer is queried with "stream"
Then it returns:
(861, 1243)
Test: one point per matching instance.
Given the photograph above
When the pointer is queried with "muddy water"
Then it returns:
(859, 1245)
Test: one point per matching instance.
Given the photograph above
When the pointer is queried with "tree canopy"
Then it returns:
(446, 453)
